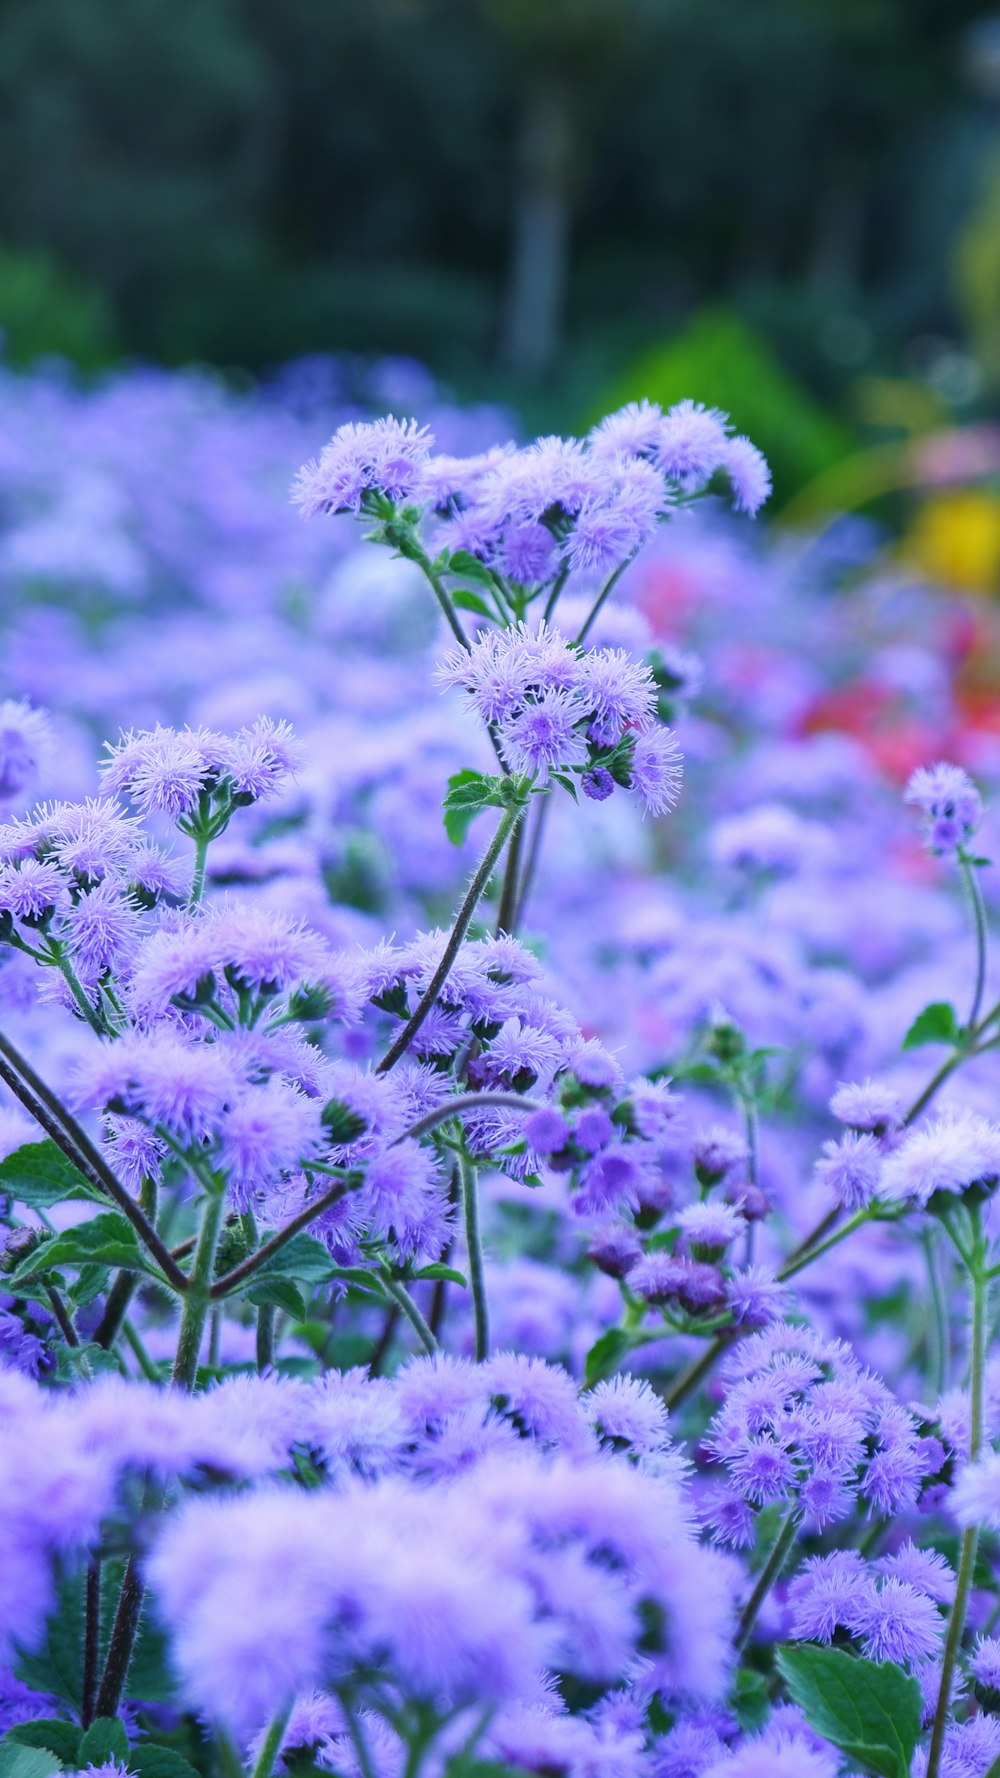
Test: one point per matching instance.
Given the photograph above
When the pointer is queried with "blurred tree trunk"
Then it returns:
(533, 324)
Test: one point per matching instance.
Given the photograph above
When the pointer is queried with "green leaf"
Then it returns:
(302, 1260)
(869, 1709)
(467, 601)
(105, 1740)
(448, 1273)
(58, 1737)
(39, 1174)
(938, 1023)
(463, 562)
(152, 1761)
(468, 793)
(750, 1703)
(18, 1761)
(281, 1293)
(604, 1355)
(89, 1283)
(107, 1240)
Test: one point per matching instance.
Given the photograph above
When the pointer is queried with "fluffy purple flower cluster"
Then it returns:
(558, 710)
(804, 1426)
(301, 1153)
(558, 506)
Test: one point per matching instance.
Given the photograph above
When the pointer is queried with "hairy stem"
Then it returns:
(269, 1747)
(197, 890)
(463, 1102)
(975, 895)
(606, 590)
(404, 1301)
(474, 1243)
(777, 1557)
(197, 1300)
(507, 908)
(970, 1538)
(91, 1641)
(123, 1634)
(75, 1144)
(463, 919)
(265, 1336)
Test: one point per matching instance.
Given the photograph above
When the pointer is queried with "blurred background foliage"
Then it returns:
(788, 207)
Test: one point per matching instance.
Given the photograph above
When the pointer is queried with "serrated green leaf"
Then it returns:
(604, 1354)
(279, 1293)
(469, 601)
(938, 1023)
(39, 1174)
(150, 1760)
(19, 1761)
(461, 561)
(448, 1273)
(302, 1260)
(108, 1240)
(104, 1740)
(871, 1710)
(468, 793)
(59, 1737)
(87, 1360)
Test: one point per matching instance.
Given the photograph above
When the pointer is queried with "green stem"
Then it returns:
(197, 1300)
(201, 845)
(507, 908)
(62, 1316)
(777, 1557)
(409, 547)
(938, 1333)
(460, 1104)
(115, 1309)
(806, 1255)
(474, 1244)
(970, 1538)
(553, 598)
(402, 1298)
(463, 919)
(606, 590)
(690, 1378)
(80, 995)
(534, 857)
(265, 1336)
(75, 1144)
(269, 1747)
(146, 1364)
(975, 895)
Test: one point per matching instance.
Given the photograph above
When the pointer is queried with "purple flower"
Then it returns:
(949, 802)
(625, 1411)
(545, 735)
(691, 444)
(597, 784)
(898, 1623)
(656, 770)
(949, 1153)
(619, 692)
(749, 475)
(868, 1106)
(851, 1169)
(389, 455)
(25, 747)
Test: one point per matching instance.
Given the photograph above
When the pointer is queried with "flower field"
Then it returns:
(499, 1134)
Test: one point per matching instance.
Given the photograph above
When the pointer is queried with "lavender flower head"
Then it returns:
(950, 804)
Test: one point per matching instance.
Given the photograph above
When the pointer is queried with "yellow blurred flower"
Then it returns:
(955, 540)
